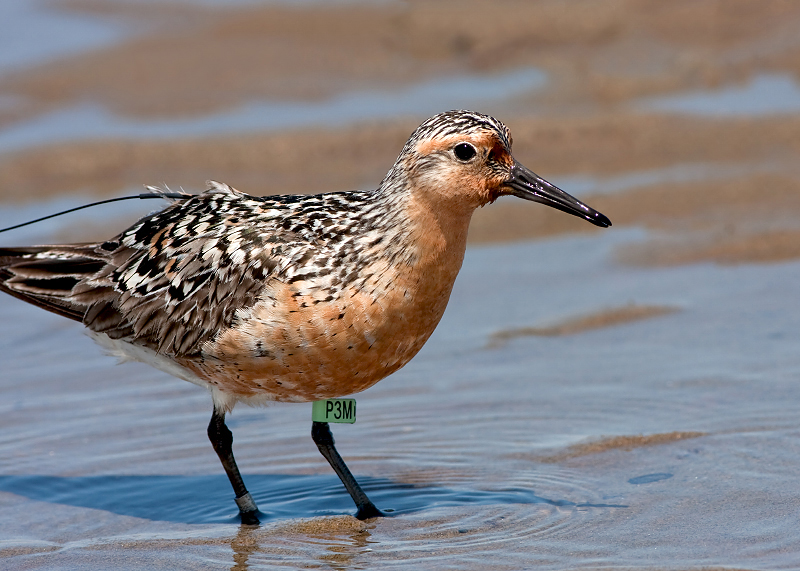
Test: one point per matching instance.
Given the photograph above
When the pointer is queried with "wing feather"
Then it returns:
(181, 276)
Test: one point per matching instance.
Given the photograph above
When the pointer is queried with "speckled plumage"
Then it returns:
(283, 298)
(289, 298)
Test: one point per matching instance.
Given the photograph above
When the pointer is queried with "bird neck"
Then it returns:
(432, 233)
(440, 232)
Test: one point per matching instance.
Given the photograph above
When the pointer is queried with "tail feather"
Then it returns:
(46, 275)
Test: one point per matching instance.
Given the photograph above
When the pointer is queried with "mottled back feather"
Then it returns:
(177, 278)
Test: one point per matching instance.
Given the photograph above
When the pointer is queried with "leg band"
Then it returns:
(246, 503)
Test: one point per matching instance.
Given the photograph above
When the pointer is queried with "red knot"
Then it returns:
(289, 298)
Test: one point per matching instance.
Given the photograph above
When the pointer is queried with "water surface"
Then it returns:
(35, 32)
(764, 94)
(469, 446)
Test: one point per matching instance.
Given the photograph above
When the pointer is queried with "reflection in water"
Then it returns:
(334, 542)
(243, 545)
(342, 551)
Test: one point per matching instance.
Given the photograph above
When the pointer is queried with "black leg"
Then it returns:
(321, 433)
(222, 441)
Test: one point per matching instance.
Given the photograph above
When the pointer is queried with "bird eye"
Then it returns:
(464, 151)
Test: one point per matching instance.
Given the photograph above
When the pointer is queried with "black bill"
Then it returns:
(526, 184)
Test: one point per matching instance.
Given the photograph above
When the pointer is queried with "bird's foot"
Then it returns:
(248, 510)
(250, 518)
(369, 511)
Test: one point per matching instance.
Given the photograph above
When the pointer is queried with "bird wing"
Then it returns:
(176, 278)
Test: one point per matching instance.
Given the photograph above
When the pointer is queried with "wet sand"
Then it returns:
(604, 51)
(620, 442)
(592, 399)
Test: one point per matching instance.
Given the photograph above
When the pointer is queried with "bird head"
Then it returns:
(463, 159)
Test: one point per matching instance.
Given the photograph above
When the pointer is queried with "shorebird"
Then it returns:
(290, 298)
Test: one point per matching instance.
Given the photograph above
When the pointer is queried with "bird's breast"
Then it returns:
(307, 341)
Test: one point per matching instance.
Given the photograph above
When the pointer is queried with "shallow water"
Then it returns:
(469, 446)
(33, 32)
(664, 443)
(764, 94)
